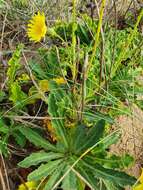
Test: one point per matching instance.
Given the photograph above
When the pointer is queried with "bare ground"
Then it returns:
(131, 141)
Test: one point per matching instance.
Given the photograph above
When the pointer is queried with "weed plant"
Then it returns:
(83, 79)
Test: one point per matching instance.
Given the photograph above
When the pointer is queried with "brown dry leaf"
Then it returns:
(50, 129)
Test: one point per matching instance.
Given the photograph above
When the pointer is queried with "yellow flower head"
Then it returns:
(44, 85)
(59, 80)
(37, 28)
(30, 185)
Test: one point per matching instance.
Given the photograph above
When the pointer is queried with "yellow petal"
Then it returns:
(36, 28)
(44, 85)
(30, 185)
(141, 177)
(59, 80)
(138, 187)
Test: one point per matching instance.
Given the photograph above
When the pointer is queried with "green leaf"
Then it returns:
(14, 64)
(2, 95)
(117, 177)
(78, 138)
(3, 148)
(106, 142)
(55, 96)
(112, 139)
(36, 139)
(115, 161)
(3, 128)
(20, 138)
(38, 157)
(70, 181)
(112, 161)
(44, 170)
(54, 177)
(17, 96)
(93, 136)
(92, 182)
(37, 70)
(94, 117)
(57, 123)
(51, 62)
(110, 186)
(2, 3)
(127, 160)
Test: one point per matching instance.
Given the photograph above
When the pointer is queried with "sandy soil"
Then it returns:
(131, 141)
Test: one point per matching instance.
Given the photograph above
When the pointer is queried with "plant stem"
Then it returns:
(83, 87)
(74, 38)
(97, 35)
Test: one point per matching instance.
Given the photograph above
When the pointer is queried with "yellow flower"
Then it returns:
(30, 185)
(59, 80)
(24, 77)
(37, 28)
(44, 85)
(138, 187)
(141, 177)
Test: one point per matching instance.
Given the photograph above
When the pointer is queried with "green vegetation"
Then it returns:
(78, 84)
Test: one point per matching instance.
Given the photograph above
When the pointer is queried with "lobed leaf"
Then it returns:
(44, 170)
(36, 139)
(38, 157)
(14, 64)
(118, 178)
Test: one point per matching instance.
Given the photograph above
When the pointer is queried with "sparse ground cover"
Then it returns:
(71, 95)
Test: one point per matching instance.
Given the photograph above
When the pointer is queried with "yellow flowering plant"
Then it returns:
(66, 98)
(37, 28)
(74, 153)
